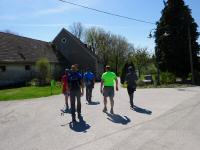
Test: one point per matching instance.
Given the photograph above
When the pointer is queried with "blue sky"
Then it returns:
(43, 19)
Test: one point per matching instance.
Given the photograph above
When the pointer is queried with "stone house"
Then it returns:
(18, 56)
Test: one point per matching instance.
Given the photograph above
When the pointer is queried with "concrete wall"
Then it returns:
(16, 74)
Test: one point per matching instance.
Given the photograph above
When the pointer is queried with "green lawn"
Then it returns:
(28, 92)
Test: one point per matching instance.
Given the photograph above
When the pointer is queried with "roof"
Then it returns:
(79, 42)
(14, 48)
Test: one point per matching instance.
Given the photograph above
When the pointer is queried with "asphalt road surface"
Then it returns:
(166, 119)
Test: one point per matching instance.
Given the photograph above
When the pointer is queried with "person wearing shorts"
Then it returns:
(107, 87)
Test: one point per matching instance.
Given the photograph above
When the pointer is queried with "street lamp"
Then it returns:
(157, 59)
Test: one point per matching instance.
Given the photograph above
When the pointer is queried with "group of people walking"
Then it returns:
(73, 83)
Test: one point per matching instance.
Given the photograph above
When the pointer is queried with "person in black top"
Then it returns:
(76, 91)
(130, 80)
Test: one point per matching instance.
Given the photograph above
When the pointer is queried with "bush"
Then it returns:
(140, 83)
(167, 78)
(150, 69)
(43, 68)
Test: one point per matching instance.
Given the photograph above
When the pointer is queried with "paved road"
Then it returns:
(174, 123)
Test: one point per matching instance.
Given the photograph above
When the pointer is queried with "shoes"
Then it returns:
(111, 111)
(105, 109)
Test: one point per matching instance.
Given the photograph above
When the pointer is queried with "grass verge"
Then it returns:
(28, 92)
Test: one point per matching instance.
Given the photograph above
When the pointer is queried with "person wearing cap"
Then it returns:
(76, 91)
(89, 80)
(65, 89)
(130, 80)
(107, 87)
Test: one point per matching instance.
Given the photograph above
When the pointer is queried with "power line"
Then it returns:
(108, 13)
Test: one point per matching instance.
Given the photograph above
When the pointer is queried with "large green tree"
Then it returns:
(175, 30)
(110, 48)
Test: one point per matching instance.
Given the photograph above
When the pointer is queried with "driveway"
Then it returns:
(166, 118)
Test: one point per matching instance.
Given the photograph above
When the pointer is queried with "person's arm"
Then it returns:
(94, 80)
(125, 80)
(136, 77)
(82, 88)
(116, 80)
(101, 90)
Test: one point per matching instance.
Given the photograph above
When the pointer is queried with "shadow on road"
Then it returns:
(80, 126)
(142, 110)
(93, 103)
(116, 118)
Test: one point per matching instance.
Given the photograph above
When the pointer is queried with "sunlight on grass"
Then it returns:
(28, 92)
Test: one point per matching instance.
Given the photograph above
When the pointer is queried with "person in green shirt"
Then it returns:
(107, 87)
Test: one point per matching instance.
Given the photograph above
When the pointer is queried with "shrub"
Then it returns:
(167, 78)
(140, 83)
(43, 68)
(150, 69)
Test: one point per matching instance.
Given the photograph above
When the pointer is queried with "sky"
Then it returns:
(43, 19)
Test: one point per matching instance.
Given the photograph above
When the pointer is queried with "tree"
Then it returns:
(77, 29)
(140, 59)
(173, 52)
(111, 49)
(43, 67)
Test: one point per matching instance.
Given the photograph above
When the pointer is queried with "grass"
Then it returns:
(28, 92)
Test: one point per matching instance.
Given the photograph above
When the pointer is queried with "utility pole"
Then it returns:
(190, 51)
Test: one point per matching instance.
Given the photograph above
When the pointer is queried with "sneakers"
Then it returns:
(105, 110)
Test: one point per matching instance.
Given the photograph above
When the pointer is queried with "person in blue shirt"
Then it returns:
(76, 89)
(89, 80)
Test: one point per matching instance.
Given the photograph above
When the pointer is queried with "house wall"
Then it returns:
(16, 74)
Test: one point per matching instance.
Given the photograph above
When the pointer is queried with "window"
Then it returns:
(2, 68)
(27, 67)
(64, 40)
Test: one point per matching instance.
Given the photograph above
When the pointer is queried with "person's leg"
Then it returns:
(90, 94)
(111, 95)
(111, 104)
(87, 93)
(105, 95)
(66, 100)
(72, 99)
(130, 93)
(131, 100)
(78, 96)
(105, 104)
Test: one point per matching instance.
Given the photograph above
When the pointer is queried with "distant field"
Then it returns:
(28, 92)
